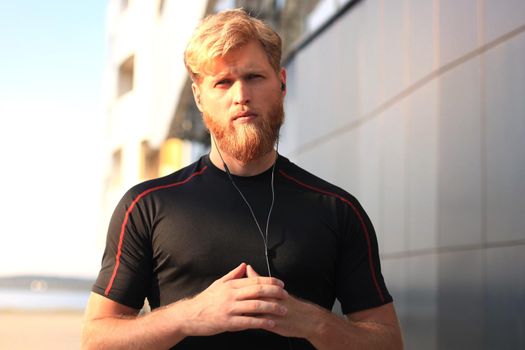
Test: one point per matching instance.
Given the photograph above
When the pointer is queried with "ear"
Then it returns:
(197, 95)
(282, 76)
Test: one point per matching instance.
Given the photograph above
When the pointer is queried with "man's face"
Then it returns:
(242, 102)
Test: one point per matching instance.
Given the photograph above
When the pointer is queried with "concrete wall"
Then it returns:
(417, 107)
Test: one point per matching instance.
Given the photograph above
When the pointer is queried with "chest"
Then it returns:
(199, 238)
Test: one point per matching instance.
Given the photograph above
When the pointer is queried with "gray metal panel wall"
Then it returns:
(417, 107)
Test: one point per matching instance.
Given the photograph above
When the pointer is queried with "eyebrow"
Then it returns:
(242, 74)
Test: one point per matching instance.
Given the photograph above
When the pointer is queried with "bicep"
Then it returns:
(99, 307)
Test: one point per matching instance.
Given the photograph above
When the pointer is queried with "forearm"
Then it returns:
(335, 332)
(157, 330)
(231, 303)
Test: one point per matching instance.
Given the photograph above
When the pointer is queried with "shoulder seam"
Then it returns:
(361, 220)
(126, 218)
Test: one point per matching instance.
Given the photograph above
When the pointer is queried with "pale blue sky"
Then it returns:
(50, 46)
(52, 57)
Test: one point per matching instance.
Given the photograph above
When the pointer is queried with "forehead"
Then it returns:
(248, 57)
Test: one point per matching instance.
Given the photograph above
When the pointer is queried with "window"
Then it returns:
(161, 7)
(149, 161)
(125, 76)
(124, 5)
(116, 168)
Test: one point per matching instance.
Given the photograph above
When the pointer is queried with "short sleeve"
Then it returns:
(359, 282)
(125, 274)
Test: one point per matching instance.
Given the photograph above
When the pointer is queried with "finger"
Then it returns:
(244, 282)
(238, 272)
(259, 308)
(250, 272)
(239, 323)
(261, 291)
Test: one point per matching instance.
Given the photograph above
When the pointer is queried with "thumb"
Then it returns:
(238, 272)
(250, 272)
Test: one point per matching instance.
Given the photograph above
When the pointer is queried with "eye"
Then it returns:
(222, 83)
(254, 77)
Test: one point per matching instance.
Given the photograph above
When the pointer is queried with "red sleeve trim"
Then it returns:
(126, 218)
(362, 221)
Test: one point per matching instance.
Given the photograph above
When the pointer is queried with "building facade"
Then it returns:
(145, 77)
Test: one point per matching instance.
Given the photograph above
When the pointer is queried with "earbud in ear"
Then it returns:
(283, 86)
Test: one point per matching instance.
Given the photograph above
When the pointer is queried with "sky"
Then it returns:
(52, 59)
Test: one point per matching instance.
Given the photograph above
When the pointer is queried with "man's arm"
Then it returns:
(375, 328)
(110, 325)
(229, 304)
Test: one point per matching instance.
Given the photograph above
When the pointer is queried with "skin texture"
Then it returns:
(241, 99)
(242, 84)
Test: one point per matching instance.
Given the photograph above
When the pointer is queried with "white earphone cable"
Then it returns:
(264, 235)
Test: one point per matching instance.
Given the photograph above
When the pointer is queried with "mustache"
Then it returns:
(245, 113)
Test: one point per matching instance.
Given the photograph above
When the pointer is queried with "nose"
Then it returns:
(241, 93)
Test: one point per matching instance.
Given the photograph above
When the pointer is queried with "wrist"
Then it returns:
(323, 323)
(317, 324)
(168, 321)
(179, 316)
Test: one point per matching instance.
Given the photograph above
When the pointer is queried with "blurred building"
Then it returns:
(415, 107)
(145, 77)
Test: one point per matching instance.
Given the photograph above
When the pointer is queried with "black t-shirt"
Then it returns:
(171, 237)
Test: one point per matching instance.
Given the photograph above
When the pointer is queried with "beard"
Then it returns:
(247, 141)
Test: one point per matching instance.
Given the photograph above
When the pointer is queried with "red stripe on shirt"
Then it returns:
(126, 218)
(365, 229)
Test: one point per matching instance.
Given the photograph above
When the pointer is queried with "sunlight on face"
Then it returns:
(242, 103)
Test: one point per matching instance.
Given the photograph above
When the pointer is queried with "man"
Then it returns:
(242, 249)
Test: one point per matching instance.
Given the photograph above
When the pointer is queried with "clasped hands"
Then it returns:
(242, 299)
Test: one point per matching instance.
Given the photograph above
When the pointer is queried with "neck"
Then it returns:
(236, 167)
